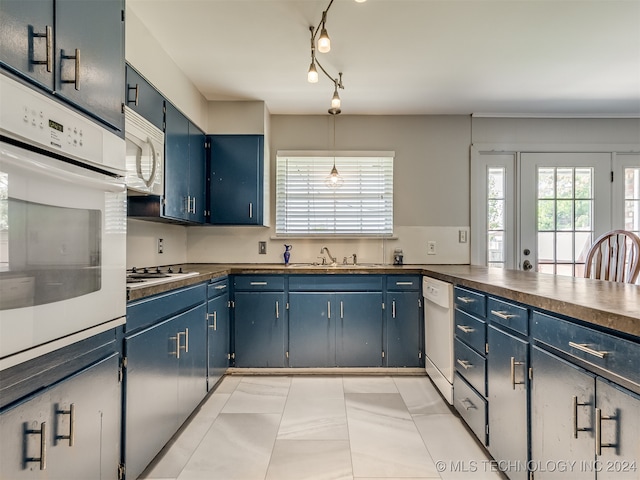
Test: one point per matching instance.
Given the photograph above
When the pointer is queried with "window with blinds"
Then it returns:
(361, 206)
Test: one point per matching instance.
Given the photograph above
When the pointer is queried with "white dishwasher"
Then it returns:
(438, 331)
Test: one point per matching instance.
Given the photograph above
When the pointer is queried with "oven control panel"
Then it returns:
(35, 119)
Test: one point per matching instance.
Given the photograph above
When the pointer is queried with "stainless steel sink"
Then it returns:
(338, 266)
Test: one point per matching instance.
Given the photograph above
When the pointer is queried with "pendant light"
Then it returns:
(334, 180)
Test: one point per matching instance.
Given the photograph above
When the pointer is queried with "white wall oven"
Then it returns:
(62, 225)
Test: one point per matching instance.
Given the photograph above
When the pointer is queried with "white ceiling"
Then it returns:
(502, 57)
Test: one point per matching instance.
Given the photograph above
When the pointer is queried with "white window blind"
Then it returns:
(361, 206)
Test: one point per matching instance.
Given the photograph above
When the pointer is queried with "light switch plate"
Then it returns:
(431, 247)
(262, 248)
(462, 236)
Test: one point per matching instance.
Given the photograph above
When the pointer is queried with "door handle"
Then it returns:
(328, 309)
(42, 459)
(135, 98)
(576, 404)
(76, 77)
(48, 36)
(599, 444)
(526, 265)
(513, 373)
(277, 309)
(72, 424)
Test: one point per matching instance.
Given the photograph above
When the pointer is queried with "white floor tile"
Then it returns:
(369, 385)
(259, 395)
(314, 418)
(310, 460)
(236, 447)
(384, 440)
(420, 396)
(228, 384)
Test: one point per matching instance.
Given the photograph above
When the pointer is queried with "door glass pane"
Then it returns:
(565, 218)
(495, 216)
(632, 199)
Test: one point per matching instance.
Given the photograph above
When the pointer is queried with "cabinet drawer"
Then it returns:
(509, 315)
(403, 282)
(335, 283)
(217, 287)
(259, 282)
(616, 355)
(471, 406)
(471, 302)
(148, 311)
(471, 330)
(471, 365)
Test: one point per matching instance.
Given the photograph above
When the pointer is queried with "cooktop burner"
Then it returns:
(152, 275)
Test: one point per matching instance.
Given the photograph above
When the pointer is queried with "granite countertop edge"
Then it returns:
(607, 304)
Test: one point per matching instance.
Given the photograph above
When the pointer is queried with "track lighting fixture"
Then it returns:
(324, 46)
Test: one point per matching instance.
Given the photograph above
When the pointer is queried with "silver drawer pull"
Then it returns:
(466, 299)
(513, 373)
(599, 444)
(404, 283)
(468, 404)
(503, 314)
(72, 424)
(583, 347)
(575, 405)
(42, 459)
(220, 287)
(465, 328)
(465, 364)
(258, 283)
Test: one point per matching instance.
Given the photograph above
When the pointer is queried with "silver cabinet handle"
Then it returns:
(503, 314)
(42, 459)
(585, 348)
(186, 340)
(393, 309)
(598, 432)
(176, 352)
(250, 210)
(468, 404)
(341, 309)
(194, 205)
(328, 309)
(277, 309)
(48, 36)
(257, 283)
(76, 79)
(513, 373)
(465, 364)
(220, 287)
(404, 283)
(465, 328)
(466, 299)
(135, 98)
(213, 315)
(575, 406)
(72, 424)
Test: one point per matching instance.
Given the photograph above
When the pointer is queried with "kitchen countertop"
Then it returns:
(608, 304)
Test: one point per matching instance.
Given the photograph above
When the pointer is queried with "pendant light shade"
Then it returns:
(334, 180)
(312, 75)
(324, 42)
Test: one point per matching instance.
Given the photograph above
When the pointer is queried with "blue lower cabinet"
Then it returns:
(335, 329)
(41, 427)
(312, 329)
(507, 386)
(403, 329)
(359, 329)
(260, 321)
(218, 336)
(166, 368)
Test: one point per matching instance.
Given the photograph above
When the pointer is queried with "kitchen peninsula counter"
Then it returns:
(607, 304)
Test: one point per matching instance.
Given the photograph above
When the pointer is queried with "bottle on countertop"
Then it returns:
(397, 256)
(287, 253)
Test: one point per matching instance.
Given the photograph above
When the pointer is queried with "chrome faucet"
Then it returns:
(333, 259)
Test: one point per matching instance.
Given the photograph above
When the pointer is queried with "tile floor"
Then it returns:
(324, 428)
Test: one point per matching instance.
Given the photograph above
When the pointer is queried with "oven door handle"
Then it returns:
(98, 181)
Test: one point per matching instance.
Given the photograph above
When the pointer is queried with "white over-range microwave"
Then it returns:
(145, 155)
(62, 225)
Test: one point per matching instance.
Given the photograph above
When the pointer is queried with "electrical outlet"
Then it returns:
(262, 248)
(431, 247)
(160, 245)
(462, 236)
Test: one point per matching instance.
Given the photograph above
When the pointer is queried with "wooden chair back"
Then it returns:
(615, 256)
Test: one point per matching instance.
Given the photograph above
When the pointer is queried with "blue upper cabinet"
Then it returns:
(236, 174)
(76, 52)
(184, 169)
(142, 97)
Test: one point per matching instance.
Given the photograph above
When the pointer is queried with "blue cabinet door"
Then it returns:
(312, 329)
(507, 373)
(562, 415)
(359, 329)
(260, 322)
(236, 164)
(151, 399)
(94, 31)
(197, 175)
(176, 164)
(144, 98)
(23, 44)
(403, 329)
(192, 365)
(218, 335)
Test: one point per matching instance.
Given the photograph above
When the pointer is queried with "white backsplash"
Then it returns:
(142, 243)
